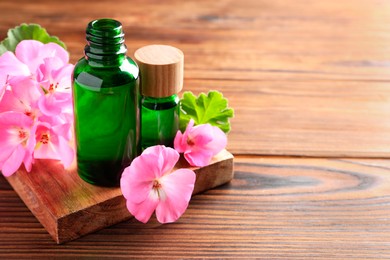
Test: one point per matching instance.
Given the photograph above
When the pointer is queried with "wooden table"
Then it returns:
(310, 84)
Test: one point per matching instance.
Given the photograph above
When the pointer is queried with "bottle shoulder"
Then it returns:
(160, 103)
(128, 65)
(86, 74)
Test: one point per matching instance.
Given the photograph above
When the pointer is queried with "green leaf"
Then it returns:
(2, 49)
(27, 32)
(211, 108)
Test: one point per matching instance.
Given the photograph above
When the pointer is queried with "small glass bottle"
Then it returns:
(161, 69)
(105, 104)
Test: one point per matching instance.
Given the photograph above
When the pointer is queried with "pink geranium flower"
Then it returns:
(51, 143)
(15, 142)
(22, 97)
(35, 88)
(55, 81)
(149, 185)
(200, 143)
(28, 58)
(49, 63)
(33, 53)
(10, 66)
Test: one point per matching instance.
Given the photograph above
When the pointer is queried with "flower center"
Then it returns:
(158, 191)
(190, 142)
(29, 113)
(44, 138)
(52, 87)
(22, 134)
(156, 185)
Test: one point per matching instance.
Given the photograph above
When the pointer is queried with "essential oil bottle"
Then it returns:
(105, 104)
(161, 69)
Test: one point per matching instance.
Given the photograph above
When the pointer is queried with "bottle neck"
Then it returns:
(106, 43)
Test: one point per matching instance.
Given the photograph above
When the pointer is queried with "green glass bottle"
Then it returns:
(159, 120)
(105, 103)
(161, 70)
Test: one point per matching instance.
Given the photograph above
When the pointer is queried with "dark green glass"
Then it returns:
(160, 120)
(105, 103)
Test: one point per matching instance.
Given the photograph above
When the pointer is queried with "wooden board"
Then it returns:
(69, 207)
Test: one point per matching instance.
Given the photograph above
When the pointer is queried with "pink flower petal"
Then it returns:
(157, 163)
(142, 211)
(135, 191)
(54, 71)
(178, 187)
(64, 130)
(24, 98)
(48, 105)
(32, 53)
(29, 53)
(137, 179)
(11, 103)
(54, 50)
(28, 161)
(6, 150)
(30, 146)
(166, 158)
(25, 89)
(66, 152)
(50, 65)
(170, 157)
(11, 118)
(181, 140)
(219, 141)
(140, 169)
(178, 142)
(63, 77)
(12, 164)
(11, 66)
(201, 135)
(154, 150)
(2, 89)
(199, 158)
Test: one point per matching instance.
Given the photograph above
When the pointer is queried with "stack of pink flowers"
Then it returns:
(35, 106)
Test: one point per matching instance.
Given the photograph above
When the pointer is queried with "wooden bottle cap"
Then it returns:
(161, 68)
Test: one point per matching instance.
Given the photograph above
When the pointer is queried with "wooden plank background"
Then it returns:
(307, 78)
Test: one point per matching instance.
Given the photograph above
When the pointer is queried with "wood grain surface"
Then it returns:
(305, 77)
(310, 83)
(274, 208)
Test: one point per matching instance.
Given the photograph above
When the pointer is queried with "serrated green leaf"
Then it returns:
(2, 49)
(211, 108)
(27, 32)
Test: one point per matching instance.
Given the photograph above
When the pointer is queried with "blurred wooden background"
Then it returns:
(310, 83)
